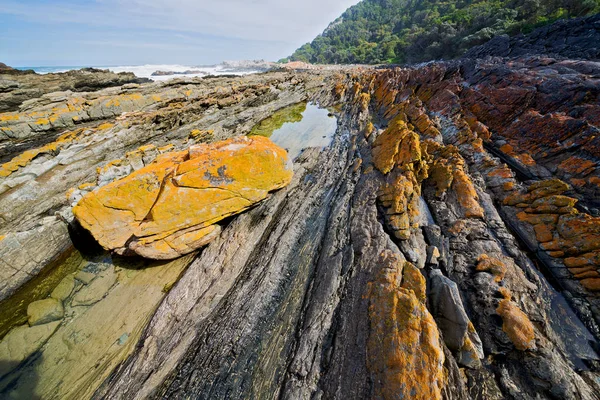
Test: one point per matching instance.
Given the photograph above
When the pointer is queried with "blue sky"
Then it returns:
(135, 32)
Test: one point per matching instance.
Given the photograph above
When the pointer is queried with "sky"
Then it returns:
(138, 32)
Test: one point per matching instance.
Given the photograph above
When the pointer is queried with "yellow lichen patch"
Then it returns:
(387, 144)
(105, 126)
(165, 205)
(9, 117)
(107, 167)
(364, 100)
(400, 197)
(146, 148)
(116, 101)
(404, 353)
(166, 148)
(42, 121)
(516, 325)
(201, 136)
(493, 265)
(441, 175)
(85, 186)
(467, 196)
(399, 153)
(2, 237)
(369, 129)
(51, 148)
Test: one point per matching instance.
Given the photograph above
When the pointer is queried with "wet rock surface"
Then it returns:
(442, 246)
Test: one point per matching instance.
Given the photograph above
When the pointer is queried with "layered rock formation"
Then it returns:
(17, 87)
(442, 246)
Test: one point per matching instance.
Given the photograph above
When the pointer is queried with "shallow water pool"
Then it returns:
(297, 127)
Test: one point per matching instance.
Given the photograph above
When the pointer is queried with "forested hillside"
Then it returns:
(399, 31)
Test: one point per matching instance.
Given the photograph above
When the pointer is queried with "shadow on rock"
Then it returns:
(18, 383)
(84, 242)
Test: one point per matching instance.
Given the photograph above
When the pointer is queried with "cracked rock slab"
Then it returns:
(170, 207)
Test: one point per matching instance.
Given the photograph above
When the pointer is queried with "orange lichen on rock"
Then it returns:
(591, 284)
(386, 146)
(592, 258)
(405, 356)
(399, 153)
(561, 229)
(577, 166)
(447, 172)
(467, 196)
(579, 234)
(516, 325)
(400, 197)
(492, 265)
(166, 208)
(536, 191)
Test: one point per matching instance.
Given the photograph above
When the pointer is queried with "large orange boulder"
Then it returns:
(171, 207)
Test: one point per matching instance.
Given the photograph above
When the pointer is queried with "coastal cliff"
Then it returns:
(442, 243)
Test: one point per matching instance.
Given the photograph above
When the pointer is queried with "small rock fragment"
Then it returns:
(96, 291)
(44, 311)
(64, 288)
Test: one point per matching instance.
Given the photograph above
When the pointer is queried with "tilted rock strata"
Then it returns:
(42, 186)
(16, 87)
(404, 350)
(399, 223)
(170, 207)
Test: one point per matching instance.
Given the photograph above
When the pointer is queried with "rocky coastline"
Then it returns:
(444, 245)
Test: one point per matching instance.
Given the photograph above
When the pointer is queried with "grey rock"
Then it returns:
(448, 310)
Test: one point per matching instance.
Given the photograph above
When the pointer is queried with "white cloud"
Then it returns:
(265, 20)
(119, 32)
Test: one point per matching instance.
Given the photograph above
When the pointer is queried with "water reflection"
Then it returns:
(298, 127)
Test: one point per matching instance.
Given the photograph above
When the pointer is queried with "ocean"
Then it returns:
(146, 71)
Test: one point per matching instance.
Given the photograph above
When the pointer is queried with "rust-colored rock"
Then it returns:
(516, 325)
(169, 207)
(405, 357)
(492, 265)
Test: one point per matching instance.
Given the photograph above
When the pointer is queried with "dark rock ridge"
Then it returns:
(577, 38)
(445, 245)
(16, 87)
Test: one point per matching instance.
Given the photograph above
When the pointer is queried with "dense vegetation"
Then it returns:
(398, 31)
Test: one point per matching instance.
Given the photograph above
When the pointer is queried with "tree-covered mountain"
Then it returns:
(399, 31)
